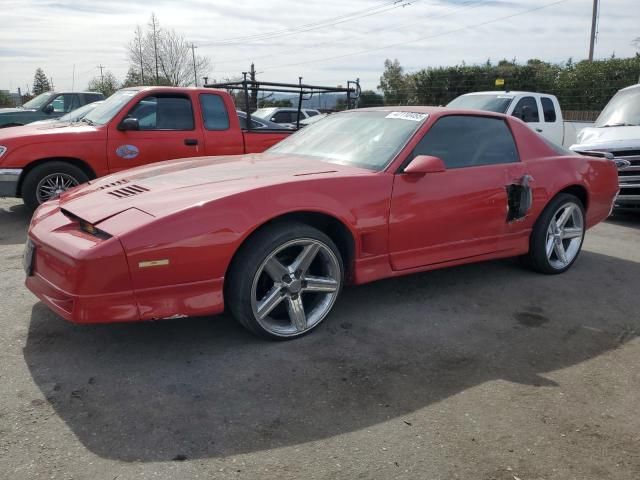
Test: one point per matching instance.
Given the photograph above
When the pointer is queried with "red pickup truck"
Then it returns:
(134, 126)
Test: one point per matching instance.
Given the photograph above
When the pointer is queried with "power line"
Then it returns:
(385, 7)
(399, 44)
(465, 6)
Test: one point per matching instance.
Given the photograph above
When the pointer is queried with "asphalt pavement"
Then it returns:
(479, 372)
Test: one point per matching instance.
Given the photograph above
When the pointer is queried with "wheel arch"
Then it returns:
(81, 164)
(576, 190)
(339, 232)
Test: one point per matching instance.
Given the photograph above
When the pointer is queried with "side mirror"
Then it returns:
(48, 109)
(129, 124)
(423, 164)
(525, 116)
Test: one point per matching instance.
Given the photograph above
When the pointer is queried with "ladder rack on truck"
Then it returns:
(304, 92)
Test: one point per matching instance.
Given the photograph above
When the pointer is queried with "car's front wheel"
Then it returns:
(557, 236)
(49, 180)
(285, 280)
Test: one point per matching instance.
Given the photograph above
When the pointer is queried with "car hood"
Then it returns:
(53, 128)
(175, 185)
(609, 138)
(14, 110)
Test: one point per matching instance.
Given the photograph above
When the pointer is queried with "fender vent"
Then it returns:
(114, 184)
(128, 191)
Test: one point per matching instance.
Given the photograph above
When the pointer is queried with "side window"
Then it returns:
(311, 113)
(469, 141)
(548, 109)
(65, 103)
(163, 112)
(527, 110)
(214, 113)
(283, 117)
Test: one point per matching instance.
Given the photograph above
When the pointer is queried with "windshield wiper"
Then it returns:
(87, 121)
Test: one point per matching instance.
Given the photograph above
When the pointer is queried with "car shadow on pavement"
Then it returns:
(197, 388)
(14, 222)
(625, 218)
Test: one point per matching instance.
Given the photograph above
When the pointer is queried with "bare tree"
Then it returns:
(162, 56)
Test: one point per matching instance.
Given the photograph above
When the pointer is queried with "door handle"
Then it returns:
(191, 141)
(539, 130)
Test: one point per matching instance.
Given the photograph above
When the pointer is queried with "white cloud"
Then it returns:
(55, 35)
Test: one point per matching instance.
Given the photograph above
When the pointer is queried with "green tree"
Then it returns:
(267, 102)
(106, 84)
(395, 85)
(5, 100)
(133, 79)
(40, 82)
(369, 98)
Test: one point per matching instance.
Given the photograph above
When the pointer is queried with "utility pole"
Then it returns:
(155, 47)
(73, 78)
(101, 75)
(594, 21)
(195, 73)
(254, 91)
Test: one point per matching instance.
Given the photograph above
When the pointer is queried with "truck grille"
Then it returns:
(629, 177)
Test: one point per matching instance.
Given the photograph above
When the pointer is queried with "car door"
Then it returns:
(553, 128)
(167, 130)
(460, 212)
(528, 110)
(221, 137)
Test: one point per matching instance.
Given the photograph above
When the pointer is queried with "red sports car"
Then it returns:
(359, 196)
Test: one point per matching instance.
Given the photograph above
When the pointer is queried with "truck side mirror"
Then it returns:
(48, 109)
(129, 124)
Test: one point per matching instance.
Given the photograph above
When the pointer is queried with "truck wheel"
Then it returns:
(49, 180)
(284, 281)
(557, 236)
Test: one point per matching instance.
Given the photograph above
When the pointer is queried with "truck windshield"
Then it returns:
(491, 103)
(110, 107)
(39, 101)
(368, 139)
(622, 110)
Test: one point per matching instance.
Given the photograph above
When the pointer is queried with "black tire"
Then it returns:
(244, 272)
(35, 176)
(537, 258)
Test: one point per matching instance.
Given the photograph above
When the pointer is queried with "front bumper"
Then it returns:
(9, 178)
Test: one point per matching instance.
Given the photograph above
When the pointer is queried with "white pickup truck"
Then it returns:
(540, 111)
(617, 131)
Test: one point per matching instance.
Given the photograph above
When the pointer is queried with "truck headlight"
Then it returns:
(2, 150)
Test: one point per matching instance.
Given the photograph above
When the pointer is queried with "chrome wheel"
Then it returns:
(53, 185)
(295, 287)
(564, 235)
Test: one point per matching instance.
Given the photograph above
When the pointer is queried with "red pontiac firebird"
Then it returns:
(359, 196)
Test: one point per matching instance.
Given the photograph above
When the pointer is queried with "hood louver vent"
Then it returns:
(129, 191)
(114, 184)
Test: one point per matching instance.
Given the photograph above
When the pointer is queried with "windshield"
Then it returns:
(39, 101)
(623, 109)
(491, 103)
(78, 113)
(110, 107)
(368, 139)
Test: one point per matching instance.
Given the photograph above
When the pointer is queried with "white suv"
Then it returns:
(284, 116)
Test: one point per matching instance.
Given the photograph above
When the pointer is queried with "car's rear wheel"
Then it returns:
(557, 236)
(49, 180)
(285, 281)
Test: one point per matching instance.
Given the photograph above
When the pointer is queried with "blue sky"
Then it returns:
(327, 42)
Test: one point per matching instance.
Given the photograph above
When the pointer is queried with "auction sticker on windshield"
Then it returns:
(414, 116)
